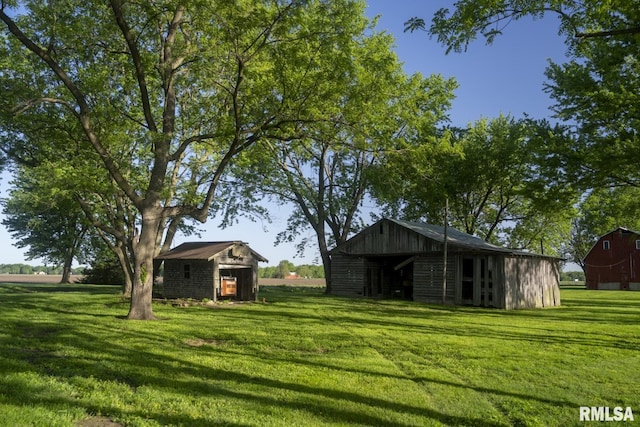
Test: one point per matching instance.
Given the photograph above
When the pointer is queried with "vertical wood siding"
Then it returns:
(382, 258)
(388, 237)
(531, 282)
(204, 280)
(427, 279)
(348, 275)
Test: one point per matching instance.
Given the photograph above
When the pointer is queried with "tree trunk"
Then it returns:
(142, 292)
(326, 263)
(326, 258)
(66, 270)
(127, 274)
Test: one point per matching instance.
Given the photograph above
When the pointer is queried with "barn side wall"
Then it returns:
(427, 279)
(348, 275)
(616, 264)
(531, 282)
(199, 285)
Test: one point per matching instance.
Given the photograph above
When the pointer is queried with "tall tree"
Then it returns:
(166, 94)
(596, 93)
(46, 221)
(323, 174)
(490, 176)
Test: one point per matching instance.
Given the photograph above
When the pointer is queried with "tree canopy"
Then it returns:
(323, 175)
(43, 219)
(596, 91)
(489, 174)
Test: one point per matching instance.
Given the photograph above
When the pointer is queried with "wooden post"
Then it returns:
(444, 267)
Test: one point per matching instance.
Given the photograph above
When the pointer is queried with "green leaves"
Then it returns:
(490, 173)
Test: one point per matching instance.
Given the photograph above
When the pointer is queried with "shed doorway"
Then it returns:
(244, 285)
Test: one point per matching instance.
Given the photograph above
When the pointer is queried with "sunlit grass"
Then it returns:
(303, 358)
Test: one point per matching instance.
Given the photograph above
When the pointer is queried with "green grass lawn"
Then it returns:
(68, 357)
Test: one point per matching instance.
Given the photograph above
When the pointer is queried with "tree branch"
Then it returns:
(609, 33)
(116, 6)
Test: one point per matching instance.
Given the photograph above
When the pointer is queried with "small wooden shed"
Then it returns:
(400, 259)
(613, 263)
(211, 270)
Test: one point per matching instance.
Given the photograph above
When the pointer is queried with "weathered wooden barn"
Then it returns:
(400, 259)
(211, 270)
(613, 263)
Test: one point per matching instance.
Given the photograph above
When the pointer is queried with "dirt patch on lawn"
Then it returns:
(98, 422)
(201, 342)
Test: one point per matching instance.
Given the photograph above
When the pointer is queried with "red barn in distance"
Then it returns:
(613, 263)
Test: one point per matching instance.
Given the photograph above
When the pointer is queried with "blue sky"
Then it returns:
(504, 78)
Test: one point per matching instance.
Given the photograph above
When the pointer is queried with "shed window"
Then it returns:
(637, 244)
(186, 269)
(606, 245)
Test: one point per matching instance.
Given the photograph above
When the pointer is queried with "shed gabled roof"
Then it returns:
(204, 250)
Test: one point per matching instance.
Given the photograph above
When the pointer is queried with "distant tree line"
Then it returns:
(31, 269)
(571, 276)
(284, 268)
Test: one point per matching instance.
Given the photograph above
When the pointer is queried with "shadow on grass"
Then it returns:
(434, 320)
(305, 361)
(66, 350)
(144, 368)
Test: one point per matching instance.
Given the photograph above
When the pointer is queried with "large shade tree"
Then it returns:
(596, 93)
(323, 174)
(46, 221)
(486, 176)
(166, 94)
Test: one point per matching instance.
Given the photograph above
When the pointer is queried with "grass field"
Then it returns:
(68, 358)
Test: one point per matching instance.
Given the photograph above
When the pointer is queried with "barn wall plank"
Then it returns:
(427, 279)
(531, 283)
(348, 275)
(388, 237)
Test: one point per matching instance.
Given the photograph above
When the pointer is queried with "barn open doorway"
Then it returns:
(244, 289)
(477, 287)
(467, 281)
(402, 285)
(389, 277)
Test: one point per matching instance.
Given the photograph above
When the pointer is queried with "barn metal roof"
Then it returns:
(454, 236)
(204, 250)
